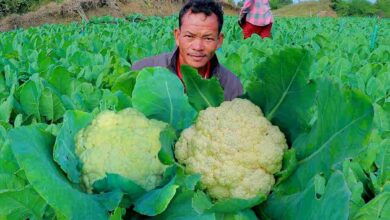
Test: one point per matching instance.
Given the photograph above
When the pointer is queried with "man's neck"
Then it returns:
(203, 70)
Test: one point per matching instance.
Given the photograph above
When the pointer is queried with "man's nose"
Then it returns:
(198, 44)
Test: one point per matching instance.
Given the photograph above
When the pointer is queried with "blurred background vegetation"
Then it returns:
(21, 6)
(344, 7)
(341, 7)
(361, 8)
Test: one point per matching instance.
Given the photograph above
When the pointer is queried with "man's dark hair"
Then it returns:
(207, 7)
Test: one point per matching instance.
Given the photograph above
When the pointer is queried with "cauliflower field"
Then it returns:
(83, 137)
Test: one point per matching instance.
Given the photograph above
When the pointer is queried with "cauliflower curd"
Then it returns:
(235, 149)
(125, 143)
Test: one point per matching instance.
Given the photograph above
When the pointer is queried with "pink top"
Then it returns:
(258, 12)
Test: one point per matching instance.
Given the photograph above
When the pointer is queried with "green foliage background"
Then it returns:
(361, 8)
(20, 6)
(275, 4)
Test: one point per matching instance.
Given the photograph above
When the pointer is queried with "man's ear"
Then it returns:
(176, 33)
(220, 39)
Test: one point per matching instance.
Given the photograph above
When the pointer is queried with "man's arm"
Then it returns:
(244, 11)
(142, 63)
(230, 83)
(246, 7)
(159, 60)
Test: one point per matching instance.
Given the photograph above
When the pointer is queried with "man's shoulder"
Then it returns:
(229, 75)
(158, 60)
(230, 82)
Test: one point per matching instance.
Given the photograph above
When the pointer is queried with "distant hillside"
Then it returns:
(306, 9)
(75, 10)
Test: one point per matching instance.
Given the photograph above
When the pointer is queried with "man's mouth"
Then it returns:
(197, 57)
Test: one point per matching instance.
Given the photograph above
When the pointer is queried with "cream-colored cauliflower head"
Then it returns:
(125, 143)
(235, 149)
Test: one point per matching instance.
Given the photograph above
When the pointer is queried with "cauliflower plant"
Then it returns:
(125, 143)
(235, 149)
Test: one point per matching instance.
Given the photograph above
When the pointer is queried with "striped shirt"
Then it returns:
(258, 12)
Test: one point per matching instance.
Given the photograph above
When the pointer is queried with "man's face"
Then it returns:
(198, 39)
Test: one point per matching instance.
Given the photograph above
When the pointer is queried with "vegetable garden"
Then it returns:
(324, 82)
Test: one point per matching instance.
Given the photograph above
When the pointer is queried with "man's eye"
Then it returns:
(189, 36)
(208, 39)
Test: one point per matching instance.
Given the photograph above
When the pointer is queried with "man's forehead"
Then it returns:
(210, 22)
(200, 15)
(191, 17)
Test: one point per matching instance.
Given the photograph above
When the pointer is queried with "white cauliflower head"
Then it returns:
(125, 143)
(235, 149)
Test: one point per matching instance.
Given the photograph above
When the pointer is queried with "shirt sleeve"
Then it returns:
(246, 7)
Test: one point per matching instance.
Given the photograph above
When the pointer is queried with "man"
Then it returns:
(197, 38)
(256, 18)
